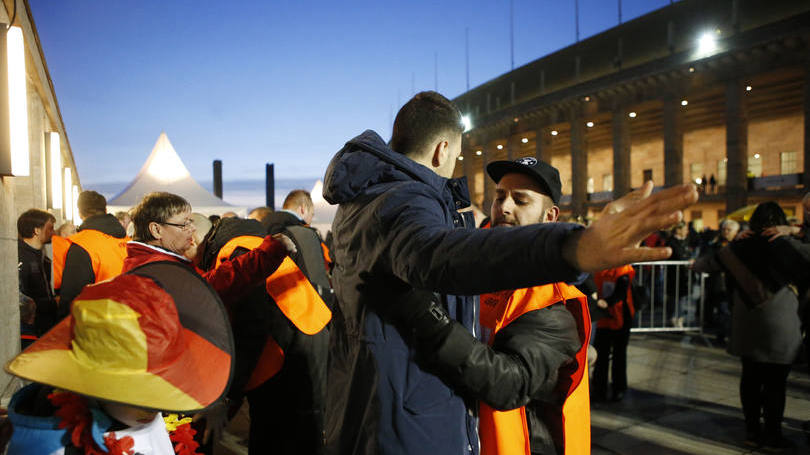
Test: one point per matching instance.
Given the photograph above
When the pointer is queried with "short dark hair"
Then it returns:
(425, 116)
(157, 207)
(767, 214)
(91, 203)
(298, 198)
(32, 219)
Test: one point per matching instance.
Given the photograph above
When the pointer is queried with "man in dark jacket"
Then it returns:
(96, 252)
(34, 230)
(397, 228)
(297, 209)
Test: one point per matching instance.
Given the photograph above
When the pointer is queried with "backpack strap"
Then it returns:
(310, 260)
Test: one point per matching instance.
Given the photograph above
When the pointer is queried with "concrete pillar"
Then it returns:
(736, 146)
(806, 174)
(9, 286)
(513, 145)
(542, 146)
(489, 185)
(579, 167)
(673, 141)
(621, 152)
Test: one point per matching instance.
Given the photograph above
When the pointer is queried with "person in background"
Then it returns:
(123, 218)
(297, 209)
(96, 253)
(717, 302)
(34, 230)
(230, 215)
(260, 214)
(28, 313)
(801, 231)
(678, 277)
(65, 230)
(613, 331)
(764, 276)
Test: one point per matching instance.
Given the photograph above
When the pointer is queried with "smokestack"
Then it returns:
(218, 178)
(270, 186)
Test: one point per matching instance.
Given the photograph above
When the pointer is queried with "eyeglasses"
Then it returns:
(187, 226)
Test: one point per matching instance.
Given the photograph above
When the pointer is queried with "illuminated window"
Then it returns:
(789, 162)
(721, 171)
(590, 185)
(696, 172)
(607, 182)
(755, 165)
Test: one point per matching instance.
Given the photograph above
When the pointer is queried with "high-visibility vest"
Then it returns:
(107, 253)
(294, 296)
(60, 247)
(610, 276)
(507, 432)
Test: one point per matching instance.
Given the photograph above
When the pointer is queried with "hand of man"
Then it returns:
(216, 419)
(774, 232)
(288, 243)
(614, 239)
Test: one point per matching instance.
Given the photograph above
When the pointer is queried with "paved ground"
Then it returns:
(683, 399)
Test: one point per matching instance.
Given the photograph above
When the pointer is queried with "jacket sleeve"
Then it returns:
(78, 273)
(235, 277)
(424, 251)
(619, 291)
(521, 365)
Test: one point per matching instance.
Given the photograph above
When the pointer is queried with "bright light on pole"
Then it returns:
(465, 120)
(707, 43)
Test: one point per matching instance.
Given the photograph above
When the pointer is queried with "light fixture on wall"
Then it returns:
(14, 158)
(478, 152)
(589, 124)
(525, 140)
(500, 147)
(68, 194)
(554, 132)
(632, 115)
(77, 220)
(55, 153)
(461, 157)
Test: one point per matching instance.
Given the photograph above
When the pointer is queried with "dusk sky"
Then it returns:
(288, 82)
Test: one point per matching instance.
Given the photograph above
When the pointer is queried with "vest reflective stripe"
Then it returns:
(507, 432)
(294, 296)
(107, 253)
(616, 319)
(60, 247)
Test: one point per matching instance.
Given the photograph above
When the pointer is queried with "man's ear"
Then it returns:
(154, 229)
(551, 215)
(440, 153)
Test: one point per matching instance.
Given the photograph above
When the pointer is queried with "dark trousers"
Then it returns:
(610, 341)
(762, 392)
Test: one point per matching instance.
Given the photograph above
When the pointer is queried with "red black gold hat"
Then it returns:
(157, 337)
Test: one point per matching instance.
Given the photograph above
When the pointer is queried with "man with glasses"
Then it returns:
(164, 232)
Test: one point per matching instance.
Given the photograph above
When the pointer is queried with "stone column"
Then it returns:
(736, 146)
(542, 146)
(673, 141)
(806, 174)
(489, 185)
(621, 152)
(579, 167)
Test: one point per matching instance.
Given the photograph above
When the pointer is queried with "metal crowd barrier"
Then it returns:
(676, 297)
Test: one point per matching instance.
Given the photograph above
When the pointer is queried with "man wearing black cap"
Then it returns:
(555, 316)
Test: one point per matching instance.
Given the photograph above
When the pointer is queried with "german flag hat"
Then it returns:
(157, 337)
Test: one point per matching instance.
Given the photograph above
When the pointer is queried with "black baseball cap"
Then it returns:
(546, 175)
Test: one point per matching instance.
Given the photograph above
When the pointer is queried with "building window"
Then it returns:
(647, 174)
(696, 215)
(721, 171)
(696, 172)
(789, 162)
(755, 166)
(607, 182)
(590, 185)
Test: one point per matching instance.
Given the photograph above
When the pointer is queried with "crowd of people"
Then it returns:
(408, 330)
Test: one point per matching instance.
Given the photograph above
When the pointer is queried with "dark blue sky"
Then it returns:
(261, 81)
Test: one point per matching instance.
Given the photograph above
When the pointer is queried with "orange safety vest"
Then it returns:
(107, 253)
(610, 276)
(507, 432)
(60, 247)
(295, 297)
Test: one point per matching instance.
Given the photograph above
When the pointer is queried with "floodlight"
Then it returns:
(465, 120)
(707, 43)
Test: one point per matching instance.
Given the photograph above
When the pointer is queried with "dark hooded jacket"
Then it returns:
(398, 228)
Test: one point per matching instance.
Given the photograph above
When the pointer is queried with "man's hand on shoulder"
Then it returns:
(615, 238)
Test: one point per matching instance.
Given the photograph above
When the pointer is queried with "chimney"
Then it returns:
(218, 178)
(270, 186)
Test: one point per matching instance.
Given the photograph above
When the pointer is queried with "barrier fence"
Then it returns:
(676, 297)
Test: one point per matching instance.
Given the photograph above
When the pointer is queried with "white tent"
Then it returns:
(324, 212)
(164, 171)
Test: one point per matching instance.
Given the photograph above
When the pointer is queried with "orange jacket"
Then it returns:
(107, 253)
(604, 282)
(60, 247)
(295, 297)
(507, 432)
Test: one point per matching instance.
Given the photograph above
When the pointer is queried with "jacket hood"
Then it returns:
(105, 223)
(366, 161)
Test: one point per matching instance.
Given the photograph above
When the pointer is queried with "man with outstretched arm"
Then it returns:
(397, 228)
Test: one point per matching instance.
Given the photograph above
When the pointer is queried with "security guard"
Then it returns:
(95, 253)
(556, 420)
